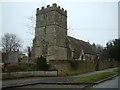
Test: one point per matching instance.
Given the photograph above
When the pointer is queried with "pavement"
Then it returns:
(47, 80)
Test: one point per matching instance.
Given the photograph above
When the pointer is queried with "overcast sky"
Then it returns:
(93, 20)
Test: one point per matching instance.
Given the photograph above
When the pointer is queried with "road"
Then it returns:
(51, 86)
(113, 83)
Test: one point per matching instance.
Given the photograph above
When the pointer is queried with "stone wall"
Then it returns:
(10, 57)
(70, 67)
(14, 75)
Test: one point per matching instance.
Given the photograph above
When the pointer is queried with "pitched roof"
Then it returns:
(78, 45)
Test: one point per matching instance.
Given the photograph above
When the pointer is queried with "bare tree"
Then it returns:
(31, 25)
(32, 21)
(10, 42)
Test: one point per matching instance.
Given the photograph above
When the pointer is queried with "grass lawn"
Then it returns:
(95, 77)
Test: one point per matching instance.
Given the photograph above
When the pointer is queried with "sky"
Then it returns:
(95, 21)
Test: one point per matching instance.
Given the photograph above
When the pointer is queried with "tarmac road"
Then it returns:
(112, 83)
(51, 86)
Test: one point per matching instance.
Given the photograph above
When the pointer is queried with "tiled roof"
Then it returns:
(77, 45)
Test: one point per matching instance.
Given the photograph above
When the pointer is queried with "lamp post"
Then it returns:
(97, 62)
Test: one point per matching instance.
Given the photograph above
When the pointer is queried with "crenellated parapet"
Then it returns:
(50, 33)
(49, 8)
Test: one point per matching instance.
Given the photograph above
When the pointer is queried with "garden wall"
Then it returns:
(63, 68)
(29, 74)
(70, 67)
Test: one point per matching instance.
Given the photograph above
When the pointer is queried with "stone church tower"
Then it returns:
(50, 33)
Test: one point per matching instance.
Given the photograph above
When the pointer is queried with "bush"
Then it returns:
(27, 67)
(41, 63)
(12, 68)
(74, 64)
(24, 67)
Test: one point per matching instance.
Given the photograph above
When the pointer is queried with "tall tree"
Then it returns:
(10, 42)
(113, 49)
(97, 48)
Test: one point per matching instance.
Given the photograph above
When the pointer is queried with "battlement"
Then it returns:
(49, 8)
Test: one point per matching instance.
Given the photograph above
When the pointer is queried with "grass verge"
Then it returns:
(95, 77)
(117, 70)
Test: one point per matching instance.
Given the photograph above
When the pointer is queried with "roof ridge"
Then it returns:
(77, 39)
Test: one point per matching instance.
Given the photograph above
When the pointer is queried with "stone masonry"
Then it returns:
(51, 40)
(50, 33)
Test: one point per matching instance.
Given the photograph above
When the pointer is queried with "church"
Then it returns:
(51, 39)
